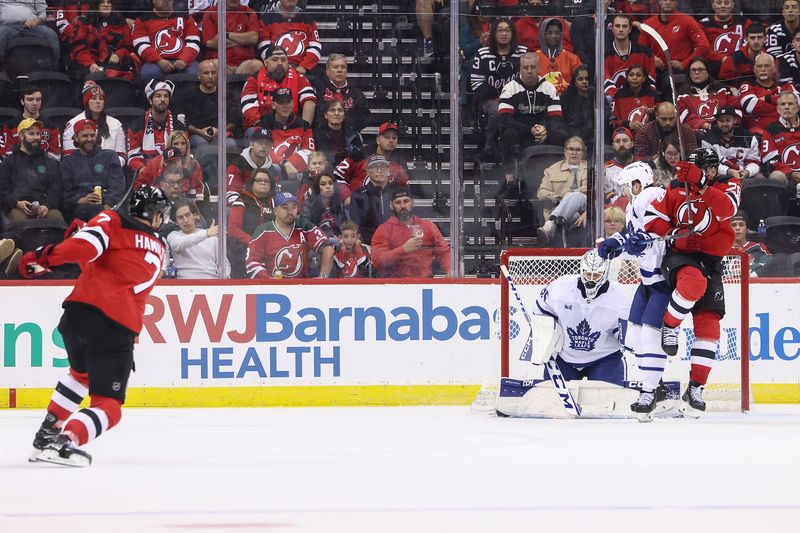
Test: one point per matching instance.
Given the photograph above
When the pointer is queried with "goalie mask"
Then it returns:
(594, 273)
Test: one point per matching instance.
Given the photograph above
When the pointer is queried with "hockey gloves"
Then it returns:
(691, 174)
(637, 243)
(611, 247)
(36, 263)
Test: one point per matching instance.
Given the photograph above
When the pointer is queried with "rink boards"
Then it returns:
(326, 343)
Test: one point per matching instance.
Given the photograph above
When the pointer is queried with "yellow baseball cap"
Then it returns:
(26, 123)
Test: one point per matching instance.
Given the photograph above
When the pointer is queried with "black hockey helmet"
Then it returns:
(147, 200)
(704, 158)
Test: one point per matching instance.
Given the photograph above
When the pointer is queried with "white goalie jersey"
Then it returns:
(591, 329)
(650, 261)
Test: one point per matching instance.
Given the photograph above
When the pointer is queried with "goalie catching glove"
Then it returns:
(611, 247)
(36, 263)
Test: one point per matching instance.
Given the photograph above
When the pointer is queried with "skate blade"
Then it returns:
(644, 417)
(689, 411)
(52, 457)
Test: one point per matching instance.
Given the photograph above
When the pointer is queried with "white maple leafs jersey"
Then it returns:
(591, 330)
(650, 261)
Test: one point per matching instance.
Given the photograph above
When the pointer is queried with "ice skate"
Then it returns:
(693, 404)
(644, 406)
(669, 340)
(61, 451)
(43, 437)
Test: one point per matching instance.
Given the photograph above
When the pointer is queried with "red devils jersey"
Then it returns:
(711, 216)
(759, 103)
(737, 68)
(242, 20)
(296, 34)
(617, 63)
(156, 38)
(270, 252)
(633, 108)
(781, 147)
(696, 109)
(120, 260)
(725, 38)
(66, 11)
(258, 90)
(353, 264)
(292, 142)
(354, 173)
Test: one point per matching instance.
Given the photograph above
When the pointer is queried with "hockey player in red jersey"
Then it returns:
(693, 265)
(121, 258)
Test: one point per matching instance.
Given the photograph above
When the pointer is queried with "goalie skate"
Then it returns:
(61, 451)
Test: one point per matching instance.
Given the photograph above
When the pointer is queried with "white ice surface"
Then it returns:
(438, 469)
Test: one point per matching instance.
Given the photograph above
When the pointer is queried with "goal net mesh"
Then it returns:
(533, 269)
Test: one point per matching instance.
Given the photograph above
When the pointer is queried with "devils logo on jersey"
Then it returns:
(289, 261)
(700, 224)
(708, 109)
(286, 148)
(727, 43)
(638, 115)
(294, 42)
(170, 40)
(791, 156)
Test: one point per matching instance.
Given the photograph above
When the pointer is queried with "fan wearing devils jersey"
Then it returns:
(121, 257)
(782, 141)
(758, 100)
(294, 31)
(101, 41)
(352, 259)
(701, 97)
(166, 42)
(724, 30)
(635, 101)
(737, 68)
(623, 54)
(693, 265)
(354, 172)
(789, 63)
(280, 248)
(150, 138)
(277, 74)
(292, 137)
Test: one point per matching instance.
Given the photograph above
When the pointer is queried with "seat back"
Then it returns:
(28, 54)
(7, 93)
(59, 116)
(131, 117)
(763, 198)
(783, 234)
(119, 92)
(57, 89)
(534, 160)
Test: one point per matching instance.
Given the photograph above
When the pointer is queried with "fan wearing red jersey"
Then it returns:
(693, 264)
(120, 258)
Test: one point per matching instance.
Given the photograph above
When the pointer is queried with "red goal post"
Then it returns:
(729, 383)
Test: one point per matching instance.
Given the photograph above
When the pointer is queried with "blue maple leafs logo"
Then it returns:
(583, 338)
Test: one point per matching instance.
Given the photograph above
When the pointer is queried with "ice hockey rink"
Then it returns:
(409, 469)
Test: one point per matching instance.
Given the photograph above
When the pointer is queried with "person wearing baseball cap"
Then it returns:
(407, 246)
(355, 172)
(289, 131)
(30, 180)
(290, 238)
(93, 178)
(277, 73)
(370, 205)
(110, 133)
(622, 147)
(255, 156)
(738, 149)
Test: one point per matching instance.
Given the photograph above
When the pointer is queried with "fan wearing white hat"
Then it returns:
(149, 140)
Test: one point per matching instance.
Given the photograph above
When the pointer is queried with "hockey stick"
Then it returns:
(649, 30)
(567, 401)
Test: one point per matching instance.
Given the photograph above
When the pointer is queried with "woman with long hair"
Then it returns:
(701, 97)
(251, 208)
(577, 105)
(334, 137)
(110, 133)
(666, 161)
(325, 208)
(182, 156)
(101, 43)
(635, 102)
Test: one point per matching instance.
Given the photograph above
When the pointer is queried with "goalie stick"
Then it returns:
(553, 370)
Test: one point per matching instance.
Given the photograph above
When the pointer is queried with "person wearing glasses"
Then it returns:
(701, 97)
(564, 184)
(666, 162)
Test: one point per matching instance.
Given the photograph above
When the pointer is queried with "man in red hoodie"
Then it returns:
(405, 246)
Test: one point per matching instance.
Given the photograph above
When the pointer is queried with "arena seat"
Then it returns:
(59, 116)
(119, 91)
(762, 198)
(783, 234)
(57, 88)
(28, 54)
(131, 117)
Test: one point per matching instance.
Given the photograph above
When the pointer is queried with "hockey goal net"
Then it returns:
(532, 269)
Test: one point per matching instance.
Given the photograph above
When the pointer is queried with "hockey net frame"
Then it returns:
(532, 268)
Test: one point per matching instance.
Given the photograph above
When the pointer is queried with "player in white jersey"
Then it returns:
(652, 296)
(588, 307)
